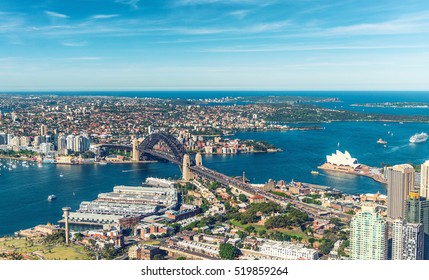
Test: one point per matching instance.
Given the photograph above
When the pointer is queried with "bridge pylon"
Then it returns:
(186, 171)
(135, 153)
(198, 159)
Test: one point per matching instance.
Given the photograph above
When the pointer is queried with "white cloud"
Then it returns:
(204, 2)
(104, 16)
(56, 15)
(240, 14)
(286, 48)
(131, 3)
(74, 44)
(408, 24)
(85, 58)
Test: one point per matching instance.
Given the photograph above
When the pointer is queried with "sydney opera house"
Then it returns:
(342, 159)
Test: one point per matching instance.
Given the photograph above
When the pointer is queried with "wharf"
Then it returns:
(362, 170)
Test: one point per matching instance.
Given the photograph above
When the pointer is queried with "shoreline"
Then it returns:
(16, 158)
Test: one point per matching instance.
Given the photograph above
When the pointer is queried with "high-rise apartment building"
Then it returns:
(70, 142)
(368, 235)
(407, 241)
(400, 181)
(81, 143)
(3, 138)
(62, 142)
(424, 180)
(43, 130)
(417, 209)
(24, 140)
(46, 148)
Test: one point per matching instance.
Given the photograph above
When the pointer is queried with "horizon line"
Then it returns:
(208, 90)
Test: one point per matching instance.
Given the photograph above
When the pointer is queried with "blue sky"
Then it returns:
(214, 44)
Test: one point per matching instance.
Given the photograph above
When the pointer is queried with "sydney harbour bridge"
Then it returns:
(194, 169)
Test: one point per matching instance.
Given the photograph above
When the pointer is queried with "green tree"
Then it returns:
(108, 252)
(241, 234)
(228, 251)
(242, 198)
(326, 246)
(249, 229)
(176, 227)
(78, 236)
(335, 221)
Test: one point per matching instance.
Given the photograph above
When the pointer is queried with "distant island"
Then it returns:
(414, 105)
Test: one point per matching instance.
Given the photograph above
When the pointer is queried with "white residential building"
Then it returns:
(368, 235)
(287, 250)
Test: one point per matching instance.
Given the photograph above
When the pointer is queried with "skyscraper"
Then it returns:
(424, 180)
(77, 143)
(407, 241)
(36, 141)
(62, 143)
(368, 235)
(70, 142)
(400, 181)
(417, 209)
(43, 130)
(3, 138)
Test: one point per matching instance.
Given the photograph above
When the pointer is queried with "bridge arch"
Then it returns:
(177, 148)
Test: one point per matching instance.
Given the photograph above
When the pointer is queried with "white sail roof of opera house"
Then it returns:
(344, 159)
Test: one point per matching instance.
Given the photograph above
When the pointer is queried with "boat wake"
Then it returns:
(131, 170)
(396, 148)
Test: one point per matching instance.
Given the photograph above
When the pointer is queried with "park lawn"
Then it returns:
(295, 231)
(72, 252)
(18, 244)
(56, 251)
(256, 226)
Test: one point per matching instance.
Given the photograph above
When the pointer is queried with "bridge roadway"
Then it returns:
(155, 153)
(284, 201)
(163, 155)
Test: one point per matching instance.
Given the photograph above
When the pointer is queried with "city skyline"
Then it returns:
(213, 44)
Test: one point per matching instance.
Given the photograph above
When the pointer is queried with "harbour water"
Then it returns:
(24, 191)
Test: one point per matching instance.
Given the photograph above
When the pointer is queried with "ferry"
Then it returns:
(52, 197)
(381, 141)
(419, 137)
